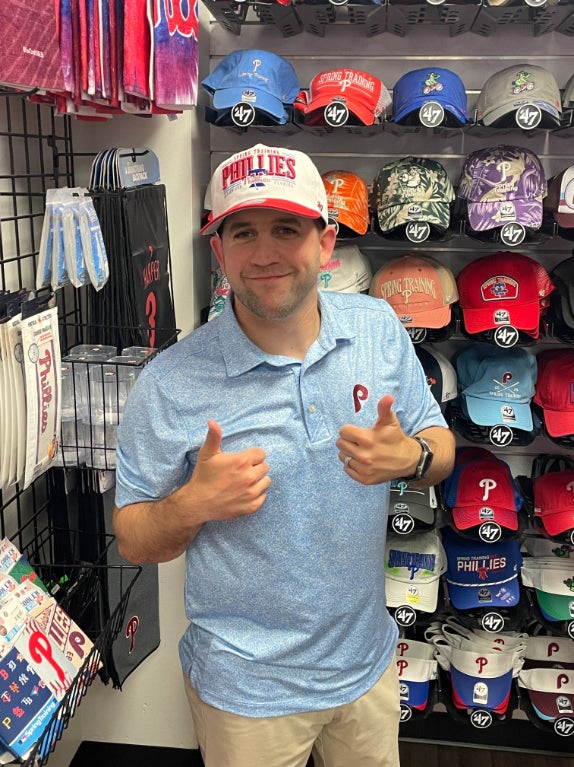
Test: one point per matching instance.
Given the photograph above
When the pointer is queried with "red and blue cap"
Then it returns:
(481, 574)
(480, 678)
(483, 490)
(416, 667)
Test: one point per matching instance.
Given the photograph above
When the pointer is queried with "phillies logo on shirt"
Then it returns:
(360, 394)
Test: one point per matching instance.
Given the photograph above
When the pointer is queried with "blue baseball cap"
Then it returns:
(415, 88)
(481, 574)
(496, 385)
(472, 691)
(263, 79)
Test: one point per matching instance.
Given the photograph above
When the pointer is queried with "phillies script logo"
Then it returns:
(132, 627)
(45, 364)
(481, 662)
(487, 485)
(360, 394)
(180, 15)
(402, 664)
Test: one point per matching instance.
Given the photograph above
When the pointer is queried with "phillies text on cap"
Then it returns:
(265, 177)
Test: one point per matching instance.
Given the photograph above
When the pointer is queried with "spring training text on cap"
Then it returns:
(406, 286)
(346, 78)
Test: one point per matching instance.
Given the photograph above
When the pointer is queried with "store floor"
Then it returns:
(92, 754)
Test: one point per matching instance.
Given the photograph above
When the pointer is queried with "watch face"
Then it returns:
(425, 460)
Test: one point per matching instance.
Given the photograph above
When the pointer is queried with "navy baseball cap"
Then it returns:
(415, 88)
(260, 78)
(481, 574)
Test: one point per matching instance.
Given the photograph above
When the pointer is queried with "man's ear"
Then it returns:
(217, 249)
(328, 240)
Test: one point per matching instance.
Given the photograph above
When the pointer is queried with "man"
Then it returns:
(311, 401)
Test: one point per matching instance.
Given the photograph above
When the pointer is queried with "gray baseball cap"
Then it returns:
(509, 89)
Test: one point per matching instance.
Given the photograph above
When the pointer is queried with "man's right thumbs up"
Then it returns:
(212, 443)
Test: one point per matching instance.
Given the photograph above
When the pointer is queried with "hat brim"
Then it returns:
(564, 220)
(465, 517)
(483, 216)
(434, 318)
(419, 595)
(416, 103)
(436, 212)
(555, 607)
(558, 423)
(502, 594)
(227, 98)
(365, 115)
(494, 115)
(358, 224)
(417, 511)
(524, 317)
(488, 412)
(546, 704)
(557, 522)
(498, 690)
(267, 203)
(418, 693)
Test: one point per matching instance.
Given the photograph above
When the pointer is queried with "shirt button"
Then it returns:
(312, 408)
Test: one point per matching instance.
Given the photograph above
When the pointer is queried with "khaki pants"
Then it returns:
(363, 733)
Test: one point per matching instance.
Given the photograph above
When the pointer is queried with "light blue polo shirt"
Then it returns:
(286, 606)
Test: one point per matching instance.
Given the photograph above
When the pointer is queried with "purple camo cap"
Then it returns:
(503, 184)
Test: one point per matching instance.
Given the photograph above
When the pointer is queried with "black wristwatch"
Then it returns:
(425, 460)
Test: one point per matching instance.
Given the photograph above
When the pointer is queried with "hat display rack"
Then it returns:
(393, 144)
(537, 17)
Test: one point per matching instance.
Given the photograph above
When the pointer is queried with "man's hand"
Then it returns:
(225, 485)
(381, 453)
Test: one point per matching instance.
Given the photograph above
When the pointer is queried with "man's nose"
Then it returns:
(265, 249)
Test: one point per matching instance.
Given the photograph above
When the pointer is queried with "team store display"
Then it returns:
(454, 236)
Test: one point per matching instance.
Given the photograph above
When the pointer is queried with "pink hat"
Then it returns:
(555, 390)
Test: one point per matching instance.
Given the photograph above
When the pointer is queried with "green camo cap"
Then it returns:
(413, 189)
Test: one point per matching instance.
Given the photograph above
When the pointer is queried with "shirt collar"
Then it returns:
(240, 354)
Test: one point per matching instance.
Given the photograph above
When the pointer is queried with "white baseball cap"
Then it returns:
(265, 177)
(348, 271)
(413, 566)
